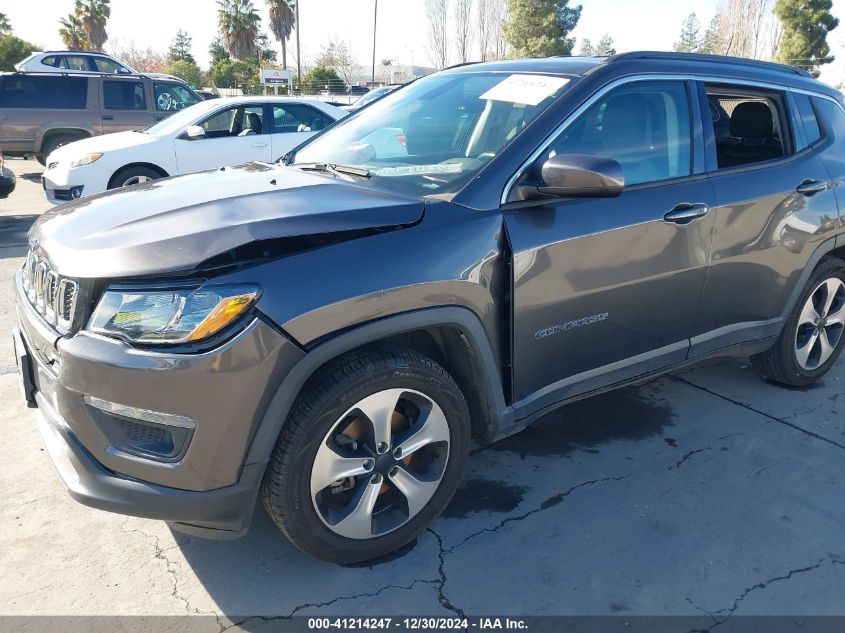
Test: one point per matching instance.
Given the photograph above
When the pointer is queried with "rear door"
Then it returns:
(775, 206)
(123, 105)
(294, 123)
(607, 289)
(233, 136)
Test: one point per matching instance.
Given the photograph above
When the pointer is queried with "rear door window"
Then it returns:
(76, 62)
(124, 95)
(298, 118)
(34, 91)
(105, 65)
(748, 126)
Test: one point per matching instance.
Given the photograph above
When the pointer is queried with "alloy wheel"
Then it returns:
(820, 324)
(134, 180)
(380, 463)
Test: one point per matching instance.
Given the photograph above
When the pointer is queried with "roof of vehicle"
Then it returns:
(656, 62)
(91, 73)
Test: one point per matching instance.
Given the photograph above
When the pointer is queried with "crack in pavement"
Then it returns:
(548, 503)
(755, 587)
(319, 605)
(758, 411)
(689, 454)
(441, 577)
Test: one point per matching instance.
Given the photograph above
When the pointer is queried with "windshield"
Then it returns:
(433, 136)
(372, 95)
(175, 123)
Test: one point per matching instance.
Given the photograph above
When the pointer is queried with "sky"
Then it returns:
(633, 25)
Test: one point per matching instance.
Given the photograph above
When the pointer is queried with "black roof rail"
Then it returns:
(703, 57)
(94, 73)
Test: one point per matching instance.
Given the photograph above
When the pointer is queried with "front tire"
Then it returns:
(371, 453)
(133, 176)
(813, 336)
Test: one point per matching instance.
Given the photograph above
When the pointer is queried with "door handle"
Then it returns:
(686, 213)
(259, 145)
(811, 187)
(108, 117)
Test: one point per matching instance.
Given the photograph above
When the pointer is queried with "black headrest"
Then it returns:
(254, 121)
(752, 119)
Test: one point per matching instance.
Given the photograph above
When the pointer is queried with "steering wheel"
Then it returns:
(165, 101)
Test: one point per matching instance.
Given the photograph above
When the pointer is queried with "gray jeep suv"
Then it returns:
(453, 261)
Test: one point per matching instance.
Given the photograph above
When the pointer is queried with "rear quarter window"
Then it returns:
(807, 115)
(30, 91)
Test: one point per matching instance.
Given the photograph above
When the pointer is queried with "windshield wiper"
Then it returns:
(349, 170)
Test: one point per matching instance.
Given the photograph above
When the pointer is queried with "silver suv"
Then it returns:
(40, 112)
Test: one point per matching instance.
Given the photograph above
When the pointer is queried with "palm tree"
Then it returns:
(282, 23)
(238, 24)
(93, 14)
(72, 33)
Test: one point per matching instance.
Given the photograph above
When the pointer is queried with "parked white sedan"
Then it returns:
(207, 135)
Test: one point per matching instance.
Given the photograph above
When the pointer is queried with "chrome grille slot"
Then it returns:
(52, 296)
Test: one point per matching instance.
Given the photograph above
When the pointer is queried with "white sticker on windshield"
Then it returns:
(421, 170)
(527, 89)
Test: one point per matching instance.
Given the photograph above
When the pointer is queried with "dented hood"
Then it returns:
(177, 223)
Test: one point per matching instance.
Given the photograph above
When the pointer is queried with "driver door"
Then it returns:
(233, 136)
(608, 289)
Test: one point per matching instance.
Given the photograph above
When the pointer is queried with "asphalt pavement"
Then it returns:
(708, 493)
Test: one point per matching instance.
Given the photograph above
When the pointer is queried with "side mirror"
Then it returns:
(577, 176)
(194, 132)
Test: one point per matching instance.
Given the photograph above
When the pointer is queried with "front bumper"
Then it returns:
(7, 182)
(60, 182)
(209, 490)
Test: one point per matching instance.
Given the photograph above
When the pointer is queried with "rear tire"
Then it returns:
(812, 339)
(388, 388)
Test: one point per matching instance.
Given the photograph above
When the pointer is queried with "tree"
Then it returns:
(180, 48)
(500, 17)
(483, 23)
(217, 52)
(437, 17)
(320, 78)
(586, 49)
(338, 56)
(541, 28)
(713, 41)
(145, 60)
(235, 74)
(12, 50)
(187, 71)
(463, 29)
(5, 25)
(265, 54)
(282, 23)
(605, 46)
(690, 40)
(93, 15)
(72, 33)
(806, 24)
(238, 23)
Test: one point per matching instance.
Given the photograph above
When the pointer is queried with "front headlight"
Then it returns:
(85, 160)
(170, 316)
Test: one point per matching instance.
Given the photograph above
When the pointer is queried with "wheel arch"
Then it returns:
(452, 336)
(79, 133)
(120, 170)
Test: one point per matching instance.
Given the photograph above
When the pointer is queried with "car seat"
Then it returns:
(253, 124)
(752, 129)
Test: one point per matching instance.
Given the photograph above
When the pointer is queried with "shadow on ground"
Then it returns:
(13, 230)
(263, 571)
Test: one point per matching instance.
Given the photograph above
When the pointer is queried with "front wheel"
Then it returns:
(370, 455)
(133, 176)
(813, 337)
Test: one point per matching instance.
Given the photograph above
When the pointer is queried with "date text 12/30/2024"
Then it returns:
(418, 624)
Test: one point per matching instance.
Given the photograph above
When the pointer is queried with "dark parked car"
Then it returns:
(40, 112)
(7, 179)
(328, 334)
(207, 94)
